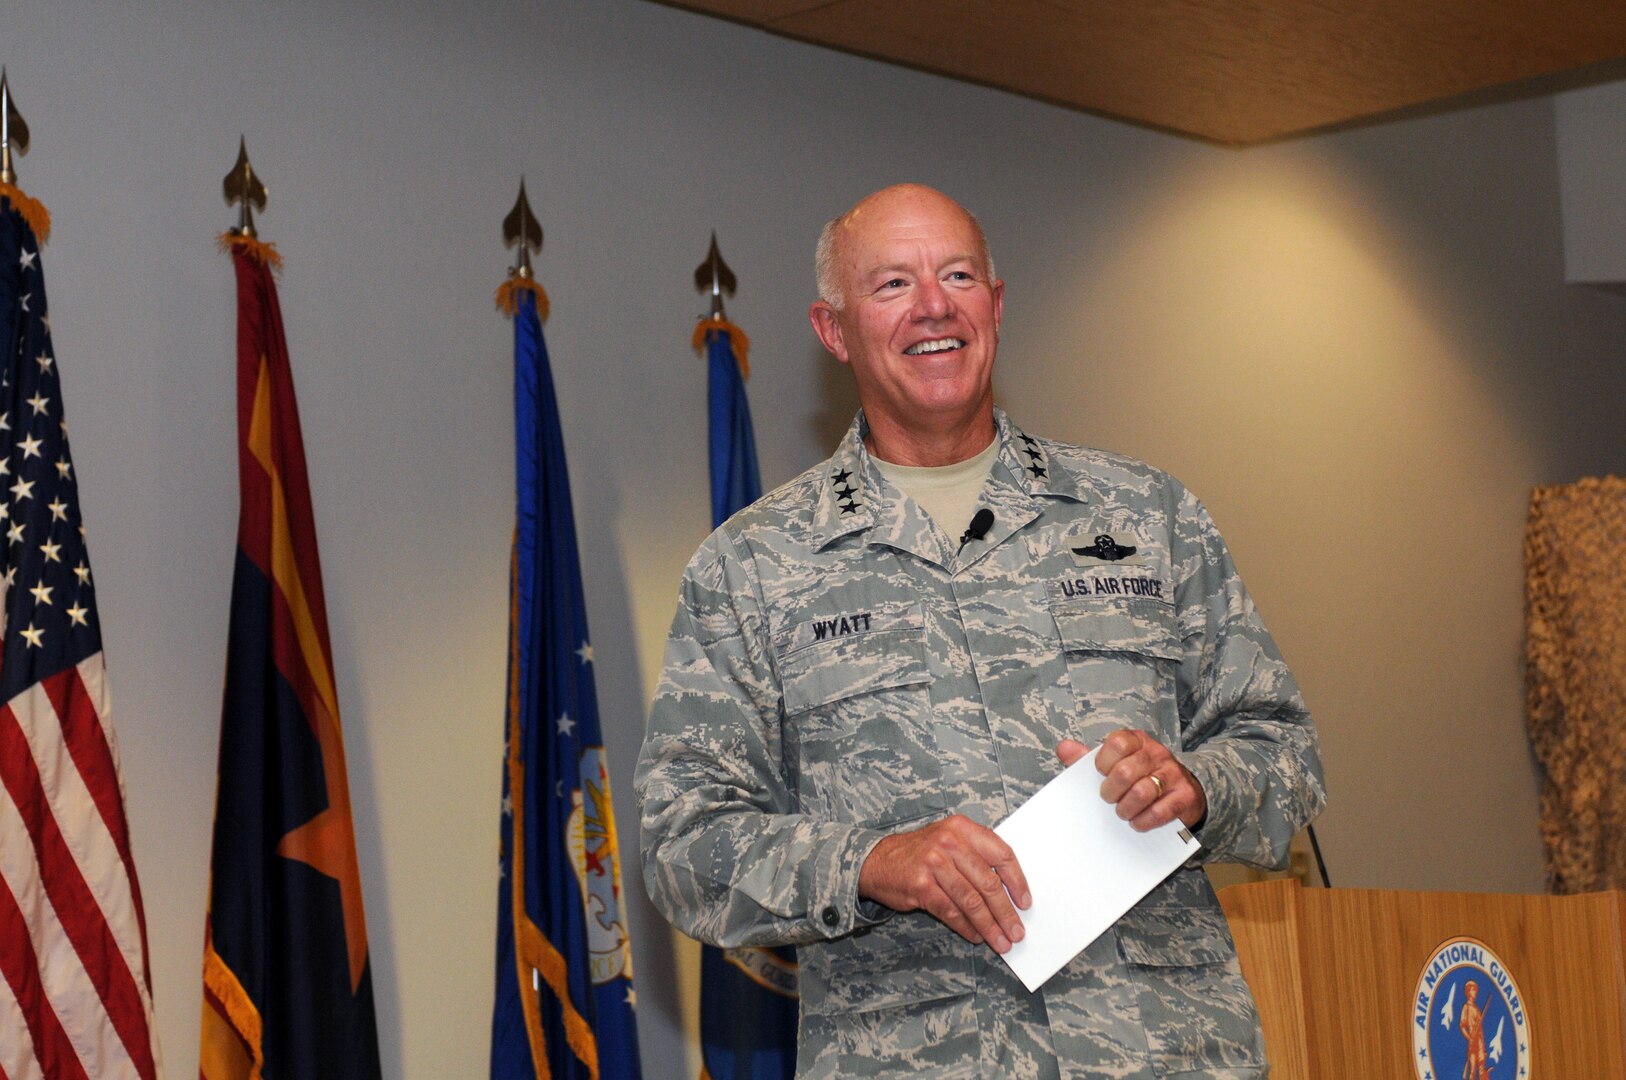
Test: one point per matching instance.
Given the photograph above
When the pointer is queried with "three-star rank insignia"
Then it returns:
(846, 493)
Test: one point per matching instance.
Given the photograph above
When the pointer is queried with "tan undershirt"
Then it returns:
(948, 493)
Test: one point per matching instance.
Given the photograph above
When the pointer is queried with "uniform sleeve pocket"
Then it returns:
(827, 659)
(1146, 627)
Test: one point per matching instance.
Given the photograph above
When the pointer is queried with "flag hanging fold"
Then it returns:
(75, 985)
(288, 991)
(748, 996)
(564, 1000)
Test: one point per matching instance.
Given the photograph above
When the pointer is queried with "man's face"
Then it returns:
(919, 322)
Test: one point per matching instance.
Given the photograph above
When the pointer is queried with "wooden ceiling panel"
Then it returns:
(1234, 71)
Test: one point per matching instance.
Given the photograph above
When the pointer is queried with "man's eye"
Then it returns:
(892, 283)
(960, 275)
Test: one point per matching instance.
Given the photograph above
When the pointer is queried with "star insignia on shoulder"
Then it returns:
(1035, 454)
(846, 497)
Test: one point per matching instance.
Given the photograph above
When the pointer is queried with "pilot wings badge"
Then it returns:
(1100, 547)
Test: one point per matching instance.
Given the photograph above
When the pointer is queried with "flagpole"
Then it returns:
(12, 129)
(14, 132)
(748, 996)
(521, 230)
(287, 975)
(564, 1005)
(75, 970)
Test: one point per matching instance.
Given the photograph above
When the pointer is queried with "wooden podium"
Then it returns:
(1336, 973)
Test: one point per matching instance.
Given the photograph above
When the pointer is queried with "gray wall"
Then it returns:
(1592, 181)
(1358, 348)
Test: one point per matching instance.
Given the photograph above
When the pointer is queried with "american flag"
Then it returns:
(75, 989)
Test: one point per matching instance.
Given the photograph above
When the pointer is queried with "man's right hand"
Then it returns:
(955, 870)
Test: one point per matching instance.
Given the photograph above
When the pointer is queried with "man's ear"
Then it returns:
(999, 304)
(827, 325)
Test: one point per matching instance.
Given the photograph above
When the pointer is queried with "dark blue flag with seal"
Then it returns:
(564, 1002)
(748, 996)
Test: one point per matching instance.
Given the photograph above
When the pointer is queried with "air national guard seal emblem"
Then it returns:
(1468, 1018)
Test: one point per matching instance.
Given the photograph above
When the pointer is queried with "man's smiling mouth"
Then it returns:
(937, 345)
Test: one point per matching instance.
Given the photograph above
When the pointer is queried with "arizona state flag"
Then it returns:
(287, 988)
(748, 995)
(564, 1002)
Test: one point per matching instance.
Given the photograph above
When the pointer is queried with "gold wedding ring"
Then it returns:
(1157, 784)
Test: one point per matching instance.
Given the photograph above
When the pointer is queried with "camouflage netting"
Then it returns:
(1575, 677)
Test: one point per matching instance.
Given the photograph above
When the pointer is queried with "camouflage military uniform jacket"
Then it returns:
(839, 669)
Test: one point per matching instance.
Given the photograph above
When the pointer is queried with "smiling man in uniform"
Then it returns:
(874, 664)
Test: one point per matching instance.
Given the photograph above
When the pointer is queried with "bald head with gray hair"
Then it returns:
(826, 274)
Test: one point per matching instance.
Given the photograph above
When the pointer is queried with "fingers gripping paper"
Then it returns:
(1085, 866)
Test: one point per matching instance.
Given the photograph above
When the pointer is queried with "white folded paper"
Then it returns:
(1085, 865)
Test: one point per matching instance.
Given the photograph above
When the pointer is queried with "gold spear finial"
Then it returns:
(13, 129)
(714, 277)
(243, 186)
(521, 228)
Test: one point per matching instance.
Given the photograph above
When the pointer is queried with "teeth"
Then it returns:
(940, 345)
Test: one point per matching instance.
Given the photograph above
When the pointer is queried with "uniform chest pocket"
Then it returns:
(1122, 657)
(859, 741)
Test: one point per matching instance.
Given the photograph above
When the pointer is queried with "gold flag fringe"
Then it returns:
(508, 297)
(738, 342)
(258, 250)
(32, 210)
(241, 1015)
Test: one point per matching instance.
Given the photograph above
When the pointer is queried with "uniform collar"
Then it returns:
(855, 497)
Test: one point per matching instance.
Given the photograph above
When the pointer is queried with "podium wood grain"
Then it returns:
(1335, 973)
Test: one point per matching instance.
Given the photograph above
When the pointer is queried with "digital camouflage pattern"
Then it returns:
(839, 669)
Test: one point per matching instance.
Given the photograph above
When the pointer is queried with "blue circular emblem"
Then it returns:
(1468, 1017)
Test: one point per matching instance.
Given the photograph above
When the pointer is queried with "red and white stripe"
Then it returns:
(75, 994)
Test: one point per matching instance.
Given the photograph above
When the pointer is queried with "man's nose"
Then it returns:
(932, 301)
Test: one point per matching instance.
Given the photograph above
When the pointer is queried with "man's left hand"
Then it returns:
(1129, 759)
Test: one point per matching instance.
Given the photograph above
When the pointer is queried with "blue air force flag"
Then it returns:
(564, 1006)
(748, 996)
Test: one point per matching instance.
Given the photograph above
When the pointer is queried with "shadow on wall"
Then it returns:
(838, 399)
